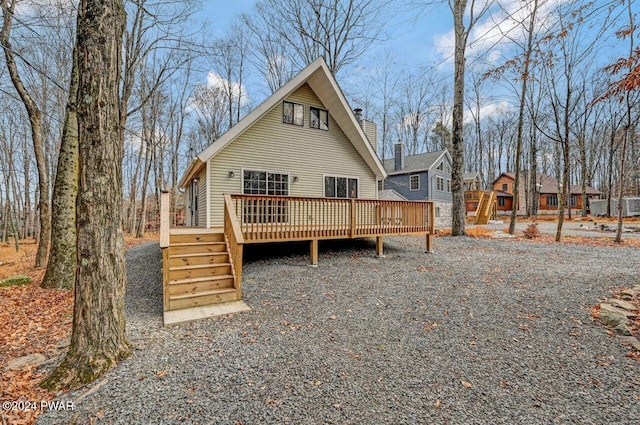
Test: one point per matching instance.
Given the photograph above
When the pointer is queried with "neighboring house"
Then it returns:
(425, 176)
(473, 183)
(303, 140)
(548, 195)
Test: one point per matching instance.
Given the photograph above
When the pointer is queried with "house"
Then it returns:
(301, 166)
(473, 184)
(548, 194)
(425, 176)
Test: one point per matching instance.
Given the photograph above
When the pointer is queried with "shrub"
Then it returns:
(532, 231)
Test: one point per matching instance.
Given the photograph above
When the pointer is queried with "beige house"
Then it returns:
(304, 140)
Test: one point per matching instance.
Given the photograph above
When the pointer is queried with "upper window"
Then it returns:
(440, 167)
(505, 187)
(414, 182)
(292, 113)
(318, 118)
(448, 185)
(440, 184)
(340, 187)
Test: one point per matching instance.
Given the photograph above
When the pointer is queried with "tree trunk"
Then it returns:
(457, 168)
(61, 269)
(37, 135)
(98, 339)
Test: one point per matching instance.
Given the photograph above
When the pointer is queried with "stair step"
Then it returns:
(198, 266)
(216, 296)
(196, 237)
(200, 279)
(197, 243)
(202, 293)
(197, 254)
(197, 248)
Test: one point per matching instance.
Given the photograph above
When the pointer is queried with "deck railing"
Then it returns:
(271, 218)
(235, 241)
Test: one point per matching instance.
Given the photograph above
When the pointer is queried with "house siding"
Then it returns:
(202, 198)
(307, 153)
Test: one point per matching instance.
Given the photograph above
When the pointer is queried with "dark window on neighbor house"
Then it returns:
(318, 118)
(414, 182)
(340, 187)
(574, 200)
(440, 167)
(501, 202)
(380, 185)
(440, 184)
(504, 187)
(552, 200)
(448, 185)
(292, 113)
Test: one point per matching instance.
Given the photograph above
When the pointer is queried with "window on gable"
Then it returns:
(292, 113)
(414, 182)
(340, 187)
(440, 167)
(505, 187)
(318, 118)
(440, 184)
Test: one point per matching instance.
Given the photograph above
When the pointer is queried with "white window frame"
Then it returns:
(288, 174)
(449, 185)
(357, 179)
(440, 166)
(411, 176)
(439, 184)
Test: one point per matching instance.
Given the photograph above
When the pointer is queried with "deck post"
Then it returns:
(429, 241)
(165, 219)
(314, 252)
(353, 218)
(379, 247)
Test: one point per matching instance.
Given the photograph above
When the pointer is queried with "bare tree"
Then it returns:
(98, 339)
(37, 133)
(338, 30)
(461, 31)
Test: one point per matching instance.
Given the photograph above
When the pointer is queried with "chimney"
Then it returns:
(398, 159)
(358, 112)
(370, 129)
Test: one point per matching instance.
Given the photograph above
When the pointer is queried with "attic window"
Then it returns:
(318, 118)
(292, 113)
(440, 167)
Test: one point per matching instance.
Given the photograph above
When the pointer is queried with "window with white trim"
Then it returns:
(448, 185)
(440, 167)
(440, 184)
(265, 210)
(414, 182)
(292, 113)
(340, 187)
(318, 118)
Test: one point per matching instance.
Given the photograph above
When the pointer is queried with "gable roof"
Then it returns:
(324, 85)
(416, 163)
(549, 185)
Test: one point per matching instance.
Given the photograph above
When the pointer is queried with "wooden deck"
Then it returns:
(204, 266)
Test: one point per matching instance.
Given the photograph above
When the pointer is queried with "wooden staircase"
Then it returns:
(486, 207)
(198, 269)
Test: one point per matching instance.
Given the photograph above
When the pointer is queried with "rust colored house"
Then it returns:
(548, 195)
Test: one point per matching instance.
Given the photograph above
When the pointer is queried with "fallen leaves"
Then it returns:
(465, 383)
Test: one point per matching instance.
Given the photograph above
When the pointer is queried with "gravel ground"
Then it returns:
(480, 332)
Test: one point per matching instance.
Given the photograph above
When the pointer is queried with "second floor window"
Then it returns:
(414, 182)
(292, 113)
(318, 118)
(440, 184)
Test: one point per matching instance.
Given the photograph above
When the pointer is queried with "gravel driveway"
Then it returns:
(480, 332)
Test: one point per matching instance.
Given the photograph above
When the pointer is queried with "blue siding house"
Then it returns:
(425, 176)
